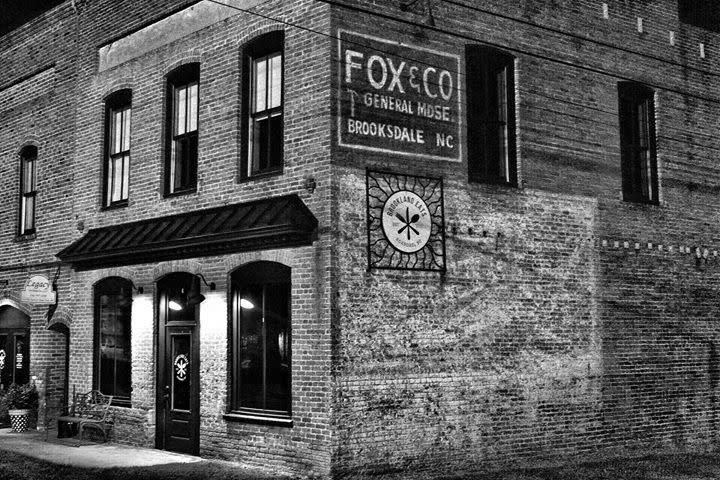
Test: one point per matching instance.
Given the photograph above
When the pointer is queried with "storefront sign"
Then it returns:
(398, 99)
(38, 290)
(405, 222)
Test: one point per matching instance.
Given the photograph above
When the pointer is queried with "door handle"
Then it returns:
(166, 395)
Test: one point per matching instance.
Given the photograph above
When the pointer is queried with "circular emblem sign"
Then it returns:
(181, 364)
(406, 221)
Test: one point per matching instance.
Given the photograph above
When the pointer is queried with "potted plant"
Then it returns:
(20, 401)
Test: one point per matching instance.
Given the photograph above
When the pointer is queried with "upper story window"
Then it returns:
(262, 123)
(117, 148)
(637, 143)
(700, 13)
(181, 154)
(28, 190)
(113, 365)
(491, 141)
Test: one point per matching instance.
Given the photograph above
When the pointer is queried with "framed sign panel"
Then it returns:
(405, 222)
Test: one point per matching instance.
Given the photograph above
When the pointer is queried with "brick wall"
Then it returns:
(568, 322)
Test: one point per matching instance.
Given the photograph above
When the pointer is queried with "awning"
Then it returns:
(269, 223)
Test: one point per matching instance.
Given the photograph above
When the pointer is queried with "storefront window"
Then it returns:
(261, 339)
(113, 300)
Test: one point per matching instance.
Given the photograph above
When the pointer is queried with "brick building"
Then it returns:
(340, 238)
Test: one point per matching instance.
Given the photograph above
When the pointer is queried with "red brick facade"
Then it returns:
(567, 323)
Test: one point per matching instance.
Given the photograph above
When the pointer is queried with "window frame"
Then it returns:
(263, 46)
(28, 155)
(120, 100)
(633, 99)
(183, 77)
(483, 65)
(118, 287)
(260, 273)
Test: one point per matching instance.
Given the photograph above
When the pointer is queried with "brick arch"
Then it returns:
(165, 268)
(181, 59)
(234, 262)
(12, 301)
(123, 272)
(57, 318)
(248, 37)
(125, 83)
(30, 141)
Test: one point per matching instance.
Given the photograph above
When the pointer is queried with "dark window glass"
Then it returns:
(491, 115)
(113, 300)
(117, 148)
(261, 350)
(263, 105)
(28, 190)
(637, 143)
(182, 149)
(700, 13)
(181, 355)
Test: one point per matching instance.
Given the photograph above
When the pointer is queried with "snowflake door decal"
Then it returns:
(181, 364)
(405, 222)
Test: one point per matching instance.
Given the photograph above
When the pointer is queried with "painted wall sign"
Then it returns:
(398, 98)
(38, 290)
(406, 226)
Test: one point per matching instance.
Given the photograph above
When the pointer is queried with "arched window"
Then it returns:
(117, 148)
(181, 149)
(28, 189)
(113, 356)
(262, 104)
(261, 354)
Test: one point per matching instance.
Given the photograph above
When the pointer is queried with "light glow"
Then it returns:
(247, 304)
(173, 305)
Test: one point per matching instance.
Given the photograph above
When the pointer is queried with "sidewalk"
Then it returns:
(102, 455)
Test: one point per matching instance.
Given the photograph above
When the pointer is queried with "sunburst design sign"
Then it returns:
(405, 218)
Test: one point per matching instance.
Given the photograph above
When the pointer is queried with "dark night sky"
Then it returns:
(14, 13)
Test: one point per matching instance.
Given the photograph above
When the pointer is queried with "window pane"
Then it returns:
(126, 130)
(117, 176)
(113, 340)
(181, 372)
(117, 131)
(126, 176)
(192, 107)
(275, 142)
(277, 356)
(260, 91)
(28, 213)
(6, 362)
(261, 130)
(180, 109)
(28, 176)
(251, 349)
(275, 81)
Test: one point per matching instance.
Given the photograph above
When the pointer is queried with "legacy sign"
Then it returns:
(38, 290)
(398, 99)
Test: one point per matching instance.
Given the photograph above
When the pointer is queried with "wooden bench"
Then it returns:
(89, 409)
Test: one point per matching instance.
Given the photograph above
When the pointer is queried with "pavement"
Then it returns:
(91, 455)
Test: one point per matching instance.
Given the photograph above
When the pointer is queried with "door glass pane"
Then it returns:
(251, 348)
(21, 359)
(277, 346)
(181, 371)
(5, 363)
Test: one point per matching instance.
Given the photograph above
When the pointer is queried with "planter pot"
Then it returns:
(19, 420)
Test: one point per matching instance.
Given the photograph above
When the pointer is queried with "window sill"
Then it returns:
(498, 183)
(258, 419)
(260, 176)
(180, 193)
(641, 201)
(114, 206)
(25, 237)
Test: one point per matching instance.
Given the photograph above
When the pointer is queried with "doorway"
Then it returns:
(14, 349)
(178, 362)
